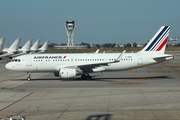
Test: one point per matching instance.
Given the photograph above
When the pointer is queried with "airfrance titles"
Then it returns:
(48, 57)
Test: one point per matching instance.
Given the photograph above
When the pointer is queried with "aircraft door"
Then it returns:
(28, 61)
(140, 59)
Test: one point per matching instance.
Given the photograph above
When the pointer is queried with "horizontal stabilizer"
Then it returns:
(163, 58)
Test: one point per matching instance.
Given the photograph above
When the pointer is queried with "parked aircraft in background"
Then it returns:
(173, 41)
(2, 44)
(70, 65)
(35, 46)
(13, 49)
(44, 48)
(25, 49)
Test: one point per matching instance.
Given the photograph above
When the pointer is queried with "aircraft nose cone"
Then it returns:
(7, 66)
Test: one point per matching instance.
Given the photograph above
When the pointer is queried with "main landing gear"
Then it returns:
(29, 77)
(86, 77)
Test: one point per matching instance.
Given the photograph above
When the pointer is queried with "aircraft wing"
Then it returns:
(90, 66)
(95, 65)
(84, 67)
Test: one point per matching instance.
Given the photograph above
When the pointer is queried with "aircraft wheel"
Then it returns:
(28, 78)
(88, 77)
(83, 77)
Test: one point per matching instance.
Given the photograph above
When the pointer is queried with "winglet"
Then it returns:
(120, 56)
(97, 51)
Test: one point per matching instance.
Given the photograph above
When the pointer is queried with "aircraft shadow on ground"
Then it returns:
(98, 117)
(136, 78)
(94, 78)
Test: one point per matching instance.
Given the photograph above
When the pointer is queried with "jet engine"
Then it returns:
(66, 73)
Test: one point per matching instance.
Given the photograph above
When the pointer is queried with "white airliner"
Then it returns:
(35, 48)
(13, 49)
(25, 49)
(70, 65)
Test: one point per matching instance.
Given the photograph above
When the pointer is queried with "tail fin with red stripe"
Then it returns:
(158, 42)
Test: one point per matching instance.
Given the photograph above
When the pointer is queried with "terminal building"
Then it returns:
(70, 28)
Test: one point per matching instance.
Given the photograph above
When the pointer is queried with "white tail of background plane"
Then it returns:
(44, 48)
(36, 45)
(27, 46)
(158, 42)
(15, 44)
(2, 43)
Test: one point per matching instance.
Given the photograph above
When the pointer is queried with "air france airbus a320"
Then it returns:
(70, 65)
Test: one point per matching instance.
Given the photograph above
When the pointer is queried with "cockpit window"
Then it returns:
(15, 60)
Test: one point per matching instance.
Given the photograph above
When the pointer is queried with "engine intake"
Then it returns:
(66, 73)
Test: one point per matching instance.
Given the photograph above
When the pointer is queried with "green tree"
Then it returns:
(128, 45)
(134, 44)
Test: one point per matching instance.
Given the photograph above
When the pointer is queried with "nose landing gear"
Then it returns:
(29, 77)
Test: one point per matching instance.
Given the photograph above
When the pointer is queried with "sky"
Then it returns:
(97, 21)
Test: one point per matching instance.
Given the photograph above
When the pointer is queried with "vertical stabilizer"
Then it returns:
(44, 47)
(15, 44)
(158, 42)
(28, 44)
(36, 45)
(2, 43)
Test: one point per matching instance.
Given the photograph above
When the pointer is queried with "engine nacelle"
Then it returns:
(67, 73)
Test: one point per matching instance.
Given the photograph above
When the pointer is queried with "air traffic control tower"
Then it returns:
(70, 27)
